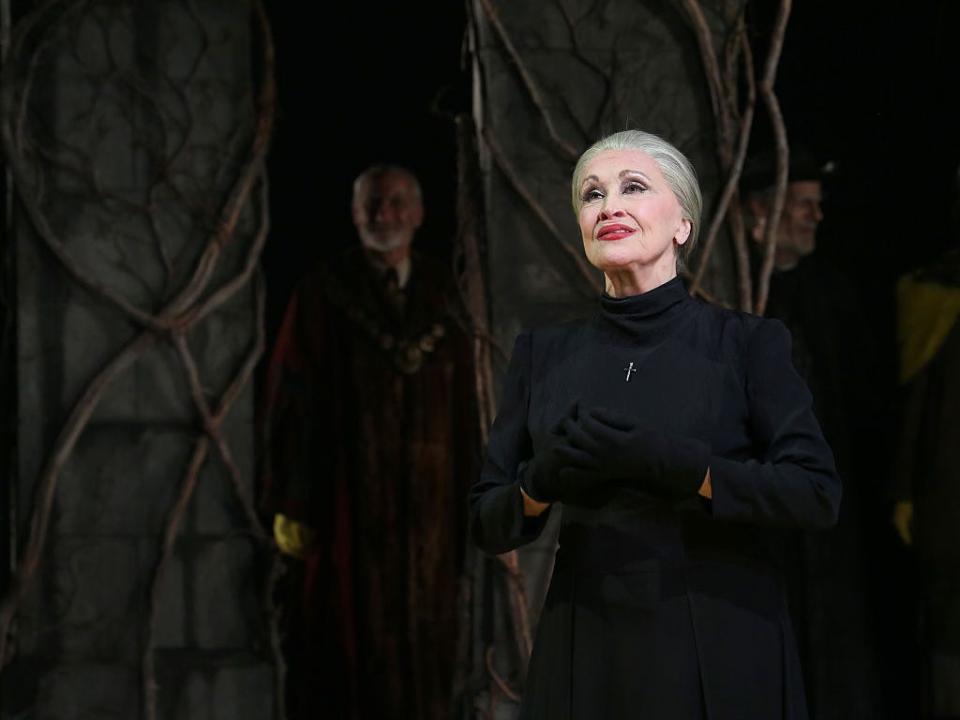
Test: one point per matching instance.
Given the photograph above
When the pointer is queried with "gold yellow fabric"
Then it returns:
(293, 538)
(926, 313)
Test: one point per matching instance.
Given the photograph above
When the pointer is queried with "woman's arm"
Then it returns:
(502, 517)
(795, 482)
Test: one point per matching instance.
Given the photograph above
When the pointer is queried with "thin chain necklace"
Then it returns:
(406, 352)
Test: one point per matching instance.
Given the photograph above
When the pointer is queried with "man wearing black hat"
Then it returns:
(797, 229)
(369, 441)
(828, 580)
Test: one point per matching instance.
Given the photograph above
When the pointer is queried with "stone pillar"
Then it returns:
(131, 131)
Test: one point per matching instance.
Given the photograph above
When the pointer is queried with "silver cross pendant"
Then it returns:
(630, 370)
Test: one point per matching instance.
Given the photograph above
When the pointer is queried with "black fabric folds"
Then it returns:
(663, 606)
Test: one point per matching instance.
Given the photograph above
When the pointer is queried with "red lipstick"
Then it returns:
(614, 231)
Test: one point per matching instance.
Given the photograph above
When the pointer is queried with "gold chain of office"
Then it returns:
(406, 353)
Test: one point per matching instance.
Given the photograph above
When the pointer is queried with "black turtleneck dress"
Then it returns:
(656, 609)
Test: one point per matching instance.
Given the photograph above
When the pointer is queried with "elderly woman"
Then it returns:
(680, 441)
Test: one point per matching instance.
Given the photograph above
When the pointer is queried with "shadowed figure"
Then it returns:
(371, 443)
(927, 490)
(833, 351)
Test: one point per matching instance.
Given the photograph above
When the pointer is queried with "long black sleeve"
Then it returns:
(497, 521)
(795, 482)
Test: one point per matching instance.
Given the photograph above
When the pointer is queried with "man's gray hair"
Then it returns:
(677, 170)
(375, 171)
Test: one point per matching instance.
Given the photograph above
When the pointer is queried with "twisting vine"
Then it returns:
(209, 282)
(731, 153)
(782, 152)
(732, 148)
(536, 96)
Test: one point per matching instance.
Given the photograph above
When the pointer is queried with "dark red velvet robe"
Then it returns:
(372, 443)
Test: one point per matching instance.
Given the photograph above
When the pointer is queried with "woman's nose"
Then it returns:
(610, 209)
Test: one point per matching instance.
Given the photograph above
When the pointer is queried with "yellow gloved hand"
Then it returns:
(902, 520)
(293, 538)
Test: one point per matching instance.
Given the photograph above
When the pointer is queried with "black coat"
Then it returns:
(829, 574)
(660, 610)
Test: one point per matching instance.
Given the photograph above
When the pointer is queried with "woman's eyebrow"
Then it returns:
(624, 173)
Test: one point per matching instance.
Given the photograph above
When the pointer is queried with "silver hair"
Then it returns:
(677, 170)
(375, 171)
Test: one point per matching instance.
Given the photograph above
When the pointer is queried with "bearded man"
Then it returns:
(371, 443)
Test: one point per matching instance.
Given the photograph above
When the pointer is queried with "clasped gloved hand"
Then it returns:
(556, 471)
(620, 450)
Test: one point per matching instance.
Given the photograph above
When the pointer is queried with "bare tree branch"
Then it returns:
(518, 601)
(568, 150)
(187, 489)
(783, 154)
(733, 178)
(184, 311)
(47, 482)
(586, 270)
(711, 67)
(500, 682)
(735, 215)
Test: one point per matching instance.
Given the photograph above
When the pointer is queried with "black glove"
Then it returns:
(546, 477)
(665, 465)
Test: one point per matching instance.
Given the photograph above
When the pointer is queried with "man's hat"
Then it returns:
(760, 171)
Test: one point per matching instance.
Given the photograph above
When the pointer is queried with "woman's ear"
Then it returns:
(683, 232)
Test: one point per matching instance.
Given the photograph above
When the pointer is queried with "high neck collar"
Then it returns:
(646, 305)
(648, 317)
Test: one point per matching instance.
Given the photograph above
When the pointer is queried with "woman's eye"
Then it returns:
(591, 194)
(633, 187)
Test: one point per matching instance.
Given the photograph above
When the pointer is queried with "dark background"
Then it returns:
(873, 89)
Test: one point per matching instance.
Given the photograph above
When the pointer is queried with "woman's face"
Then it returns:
(629, 216)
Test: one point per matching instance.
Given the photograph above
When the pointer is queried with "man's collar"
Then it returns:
(403, 268)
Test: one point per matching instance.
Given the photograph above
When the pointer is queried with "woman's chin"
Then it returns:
(614, 258)
(612, 261)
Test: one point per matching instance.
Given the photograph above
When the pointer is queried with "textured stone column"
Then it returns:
(136, 121)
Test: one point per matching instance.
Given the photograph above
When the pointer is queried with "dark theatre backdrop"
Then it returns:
(871, 89)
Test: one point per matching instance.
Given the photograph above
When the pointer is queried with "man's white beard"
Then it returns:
(384, 241)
